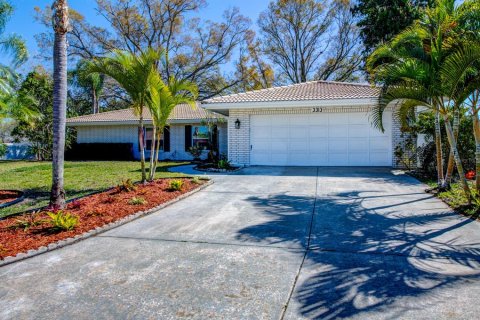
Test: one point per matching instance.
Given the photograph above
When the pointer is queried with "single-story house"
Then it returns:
(317, 123)
(186, 127)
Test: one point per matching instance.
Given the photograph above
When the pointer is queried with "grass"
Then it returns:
(81, 178)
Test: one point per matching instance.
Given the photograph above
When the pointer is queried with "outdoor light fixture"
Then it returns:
(237, 124)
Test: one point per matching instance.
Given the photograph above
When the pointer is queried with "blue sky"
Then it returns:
(24, 24)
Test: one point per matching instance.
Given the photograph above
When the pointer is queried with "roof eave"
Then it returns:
(291, 104)
(127, 122)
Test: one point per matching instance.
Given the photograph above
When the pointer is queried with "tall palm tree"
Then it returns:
(162, 99)
(410, 68)
(61, 27)
(133, 73)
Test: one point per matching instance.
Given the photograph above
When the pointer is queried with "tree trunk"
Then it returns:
(95, 101)
(141, 141)
(152, 154)
(438, 146)
(458, 161)
(57, 196)
(451, 160)
(476, 131)
(157, 153)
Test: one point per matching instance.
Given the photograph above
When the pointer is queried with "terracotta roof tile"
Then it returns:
(313, 90)
(181, 112)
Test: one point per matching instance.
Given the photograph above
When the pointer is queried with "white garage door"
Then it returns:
(320, 139)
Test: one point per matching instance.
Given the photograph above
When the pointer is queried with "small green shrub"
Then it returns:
(176, 185)
(62, 220)
(127, 186)
(224, 164)
(195, 180)
(196, 152)
(137, 201)
(29, 221)
(3, 149)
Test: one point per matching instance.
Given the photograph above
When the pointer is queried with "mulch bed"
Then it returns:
(93, 211)
(9, 196)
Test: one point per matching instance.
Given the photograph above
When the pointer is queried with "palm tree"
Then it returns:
(411, 70)
(61, 27)
(133, 73)
(162, 99)
(93, 81)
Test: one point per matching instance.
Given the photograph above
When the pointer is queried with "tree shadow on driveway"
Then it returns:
(368, 252)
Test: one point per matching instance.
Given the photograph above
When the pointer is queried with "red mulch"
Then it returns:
(93, 211)
(8, 196)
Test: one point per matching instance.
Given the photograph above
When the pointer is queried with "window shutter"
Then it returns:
(166, 139)
(188, 137)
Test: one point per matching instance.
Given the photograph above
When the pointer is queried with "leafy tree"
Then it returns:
(133, 72)
(162, 98)
(61, 27)
(381, 20)
(309, 39)
(38, 89)
(196, 49)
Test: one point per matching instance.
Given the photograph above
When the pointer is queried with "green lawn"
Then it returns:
(81, 178)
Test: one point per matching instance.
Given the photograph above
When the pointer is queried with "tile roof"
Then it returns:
(313, 90)
(181, 112)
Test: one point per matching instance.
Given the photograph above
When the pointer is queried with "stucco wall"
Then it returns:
(129, 134)
(239, 139)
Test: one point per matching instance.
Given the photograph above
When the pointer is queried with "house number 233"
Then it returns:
(317, 110)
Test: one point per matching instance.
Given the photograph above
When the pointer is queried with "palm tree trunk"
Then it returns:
(95, 101)
(159, 139)
(141, 141)
(57, 196)
(152, 153)
(451, 160)
(456, 156)
(476, 131)
(438, 146)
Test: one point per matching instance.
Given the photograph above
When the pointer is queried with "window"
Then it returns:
(200, 136)
(148, 137)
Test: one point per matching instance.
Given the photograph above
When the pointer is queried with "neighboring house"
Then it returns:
(315, 123)
(185, 129)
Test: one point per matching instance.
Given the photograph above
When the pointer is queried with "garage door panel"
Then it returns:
(338, 145)
(324, 139)
(358, 130)
(318, 132)
(299, 132)
(279, 133)
(338, 131)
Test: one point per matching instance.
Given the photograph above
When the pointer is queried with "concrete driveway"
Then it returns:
(267, 243)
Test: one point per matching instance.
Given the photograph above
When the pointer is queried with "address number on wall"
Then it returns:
(317, 110)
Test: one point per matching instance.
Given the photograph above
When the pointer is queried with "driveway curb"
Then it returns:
(69, 241)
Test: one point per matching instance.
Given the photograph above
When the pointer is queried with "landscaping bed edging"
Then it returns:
(21, 197)
(69, 241)
(217, 170)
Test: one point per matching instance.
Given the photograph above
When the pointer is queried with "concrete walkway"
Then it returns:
(267, 243)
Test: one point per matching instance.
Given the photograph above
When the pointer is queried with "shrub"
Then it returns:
(127, 186)
(224, 164)
(196, 152)
(195, 180)
(176, 185)
(29, 221)
(62, 220)
(3, 150)
(137, 201)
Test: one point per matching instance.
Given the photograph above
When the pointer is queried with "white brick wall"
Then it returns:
(129, 134)
(239, 139)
